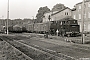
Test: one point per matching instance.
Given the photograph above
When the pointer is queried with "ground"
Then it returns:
(58, 44)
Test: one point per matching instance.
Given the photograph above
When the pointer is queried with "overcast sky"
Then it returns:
(29, 8)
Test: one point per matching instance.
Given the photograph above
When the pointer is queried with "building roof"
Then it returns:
(74, 9)
(60, 11)
(82, 2)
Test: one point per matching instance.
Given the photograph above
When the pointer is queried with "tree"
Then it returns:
(41, 12)
(58, 7)
(87, 0)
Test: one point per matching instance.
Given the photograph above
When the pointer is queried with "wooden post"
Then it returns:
(7, 16)
(83, 12)
(49, 23)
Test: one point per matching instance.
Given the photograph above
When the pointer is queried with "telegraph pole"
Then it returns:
(83, 14)
(7, 16)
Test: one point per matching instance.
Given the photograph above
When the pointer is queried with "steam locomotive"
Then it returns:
(66, 27)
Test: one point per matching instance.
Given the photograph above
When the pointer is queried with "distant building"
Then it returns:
(77, 14)
(46, 15)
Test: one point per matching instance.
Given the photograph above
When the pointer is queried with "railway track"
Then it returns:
(20, 55)
(35, 52)
(66, 57)
(74, 50)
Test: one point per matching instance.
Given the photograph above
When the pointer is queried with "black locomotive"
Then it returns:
(65, 26)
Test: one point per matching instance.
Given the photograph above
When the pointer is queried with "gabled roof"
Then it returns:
(60, 11)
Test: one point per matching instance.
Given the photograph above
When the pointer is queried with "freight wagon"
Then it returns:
(30, 27)
(17, 29)
(42, 27)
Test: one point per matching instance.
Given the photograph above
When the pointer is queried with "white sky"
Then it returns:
(29, 8)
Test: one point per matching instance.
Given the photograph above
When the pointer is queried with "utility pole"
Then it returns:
(33, 23)
(49, 17)
(57, 31)
(83, 14)
(7, 16)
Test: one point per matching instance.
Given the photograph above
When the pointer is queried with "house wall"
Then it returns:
(77, 14)
(65, 13)
(62, 14)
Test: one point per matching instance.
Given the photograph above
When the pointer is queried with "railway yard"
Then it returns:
(31, 46)
(60, 33)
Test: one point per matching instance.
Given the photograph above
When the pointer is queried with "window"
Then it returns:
(61, 22)
(74, 17)
(88, 4)
(74, 21)
(88, 14)
(64, 22)
(79, 16)
(67, 13)
(68, 22)
(55, 22)
(85, 15)
(80, 7)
